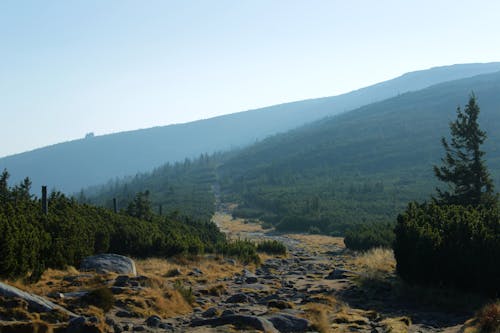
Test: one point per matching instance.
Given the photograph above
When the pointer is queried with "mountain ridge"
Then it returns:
(80, 163)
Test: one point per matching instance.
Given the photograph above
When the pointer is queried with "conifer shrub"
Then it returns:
(271, 247)
(364, 237)
(449, 245)
(31, 241)
(102, 298)
(243, 250)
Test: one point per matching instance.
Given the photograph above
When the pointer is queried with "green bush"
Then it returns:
(271, 247)
(102, 298)
(366, 236)
(243, 250)
(448, 245)
(186, 292)
(31, 241)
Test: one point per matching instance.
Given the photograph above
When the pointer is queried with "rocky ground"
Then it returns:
(317, 286)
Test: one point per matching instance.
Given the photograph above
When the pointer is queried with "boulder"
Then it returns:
(153, 321)
(289, 323)
(109, 262)
(36, 302)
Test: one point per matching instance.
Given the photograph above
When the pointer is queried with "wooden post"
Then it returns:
(115, 209)
(45, 204)
(160, 209)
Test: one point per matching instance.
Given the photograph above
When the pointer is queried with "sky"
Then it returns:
(70, 67)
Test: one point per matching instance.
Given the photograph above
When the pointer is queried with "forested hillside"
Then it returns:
(179, 188)
(72, 165)
(361, 166)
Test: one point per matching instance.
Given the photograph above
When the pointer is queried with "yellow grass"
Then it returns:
(318, 314)
(396, 325)
(318, 243)
(235, 228)
(376, 260)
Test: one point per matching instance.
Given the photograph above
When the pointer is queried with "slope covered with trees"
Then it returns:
(179, 188)
(361, 166)
(96, 159)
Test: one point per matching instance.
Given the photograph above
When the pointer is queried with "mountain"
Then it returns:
(360, 166)
(73, 165)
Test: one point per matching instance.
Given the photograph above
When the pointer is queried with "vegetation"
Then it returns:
(168, 190)
(449, 245)
(367, 236)
(464, 169)
(363, 166)
(455, 240)
(271, 247)
(243, 250)
(103, 298)
(186, 292)
(489, 317)
(32, 241)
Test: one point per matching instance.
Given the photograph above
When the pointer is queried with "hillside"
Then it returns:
(361, 166)
(73, 165)
(184, 188)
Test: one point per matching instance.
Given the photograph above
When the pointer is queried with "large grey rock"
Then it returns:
(255, 322)
(109, 262)
(288, 323)
(36, 302)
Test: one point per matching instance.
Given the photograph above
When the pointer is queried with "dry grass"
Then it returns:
(318, 315)
(318, 243)
(396, 325)
(212, 268)
(375, 264)
(157, 297)
(488, 318)
(34, 326)
(235, 228)
(321, 311)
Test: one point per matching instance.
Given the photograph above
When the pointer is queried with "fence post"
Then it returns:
(45, 204)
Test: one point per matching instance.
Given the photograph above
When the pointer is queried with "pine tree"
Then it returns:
(464, 169)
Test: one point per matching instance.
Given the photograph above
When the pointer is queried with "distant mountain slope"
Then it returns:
(72, 165)
(364, 165)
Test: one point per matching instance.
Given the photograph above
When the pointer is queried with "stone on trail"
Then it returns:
(289, 323)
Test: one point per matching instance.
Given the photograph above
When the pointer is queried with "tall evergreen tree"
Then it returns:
(464, 169)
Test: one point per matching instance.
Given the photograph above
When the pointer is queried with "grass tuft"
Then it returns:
(489, 318)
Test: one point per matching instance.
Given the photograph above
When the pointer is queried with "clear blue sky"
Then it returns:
(69, 67)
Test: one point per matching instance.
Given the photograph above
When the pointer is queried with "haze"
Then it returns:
(69, 68)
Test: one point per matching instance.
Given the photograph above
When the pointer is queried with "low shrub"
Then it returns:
(489, 318)
(186, 292)
(243, 250)
(102, 298)
(449, 245)
(272, 247)
(367, 236)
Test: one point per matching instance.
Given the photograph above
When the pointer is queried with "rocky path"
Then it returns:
(311, 289)
(314, 288)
